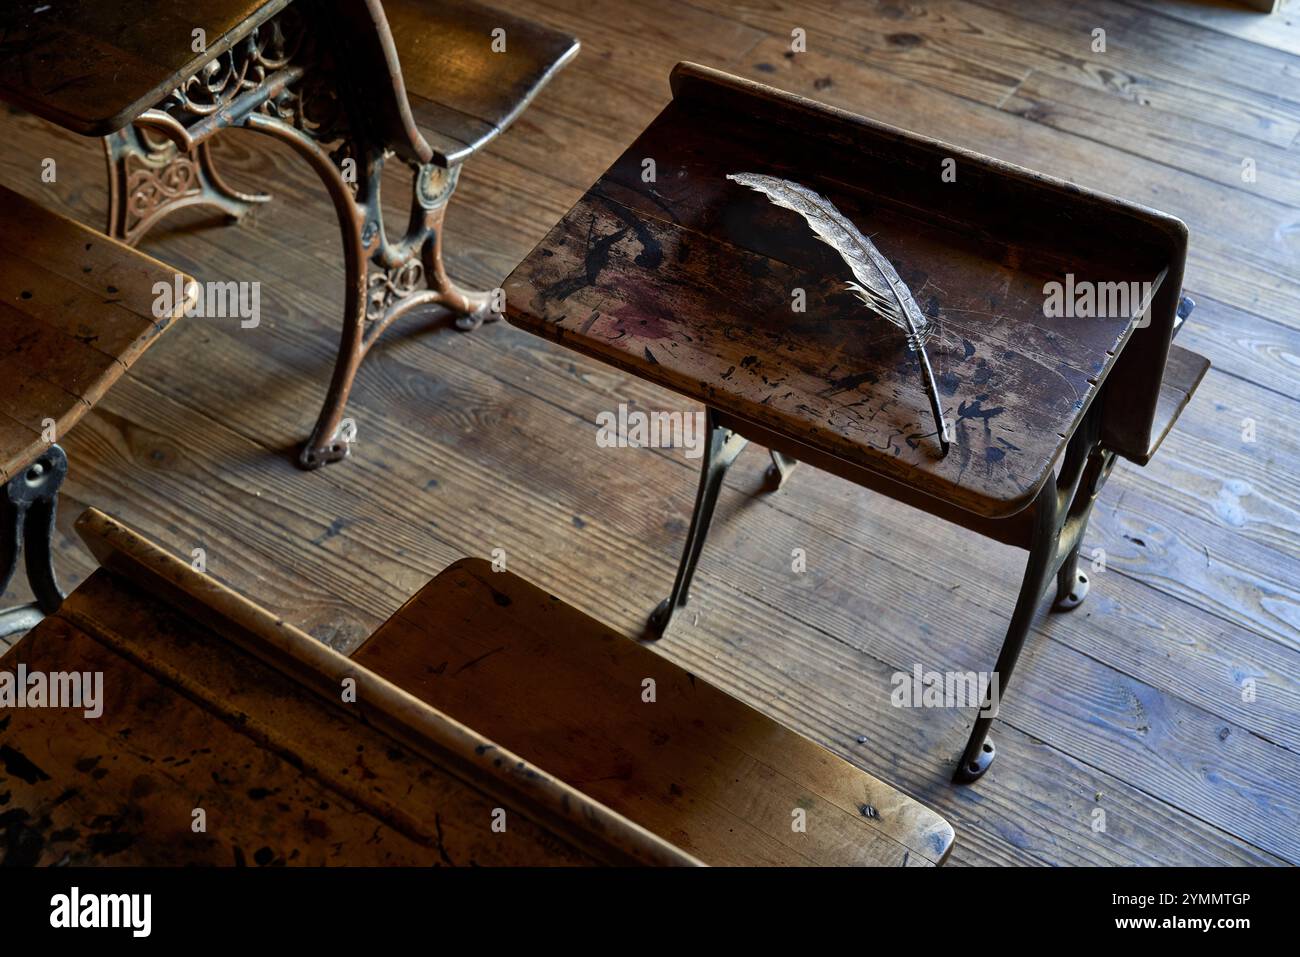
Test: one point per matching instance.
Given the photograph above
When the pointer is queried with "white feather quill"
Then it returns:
(878, 284)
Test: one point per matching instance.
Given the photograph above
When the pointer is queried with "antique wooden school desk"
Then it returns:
(346, 84)
(669, 270)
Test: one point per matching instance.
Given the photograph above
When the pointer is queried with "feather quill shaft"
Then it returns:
(877, 284)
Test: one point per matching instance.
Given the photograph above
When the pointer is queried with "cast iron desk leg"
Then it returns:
(980, 751)
(27, 520)
(1060, 520)
(780, 469)
(722, 445)
(302, 97)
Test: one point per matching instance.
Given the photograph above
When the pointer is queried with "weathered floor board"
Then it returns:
(1132, 706)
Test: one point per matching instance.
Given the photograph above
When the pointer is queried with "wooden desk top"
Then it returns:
(695, 766)
(688, 281)
(76, 310)
(93, 67)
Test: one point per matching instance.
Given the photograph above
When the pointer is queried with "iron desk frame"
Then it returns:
(693, 316)
(290, 78)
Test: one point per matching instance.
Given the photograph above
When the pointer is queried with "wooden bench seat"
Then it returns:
(211, 704)
(695, 766)
(461, 93)
(298, 755)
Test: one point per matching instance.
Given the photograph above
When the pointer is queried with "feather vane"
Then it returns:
(877, 284)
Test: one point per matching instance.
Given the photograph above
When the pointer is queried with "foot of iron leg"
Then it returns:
(27, 522)
(331, 438)
(973, 769)
(317, 452)
(979, 752)
(481, 311)
(722, 446)
(659, 618)
(1071, 585)
(780, 469)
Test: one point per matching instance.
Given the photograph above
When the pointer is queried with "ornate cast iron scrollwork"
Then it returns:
(159, 174)
(434, 185)
(241, 69)
(150, 176)
(386, 287)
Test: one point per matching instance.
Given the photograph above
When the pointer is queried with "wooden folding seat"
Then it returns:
(640, 734)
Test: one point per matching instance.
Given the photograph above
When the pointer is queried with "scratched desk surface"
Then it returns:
(689, 280)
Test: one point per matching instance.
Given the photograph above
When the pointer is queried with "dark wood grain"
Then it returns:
(688, 281)
(234, 692)
(122, 789)
(76, 311)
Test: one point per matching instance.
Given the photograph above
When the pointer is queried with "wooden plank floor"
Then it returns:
(1129, 736)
